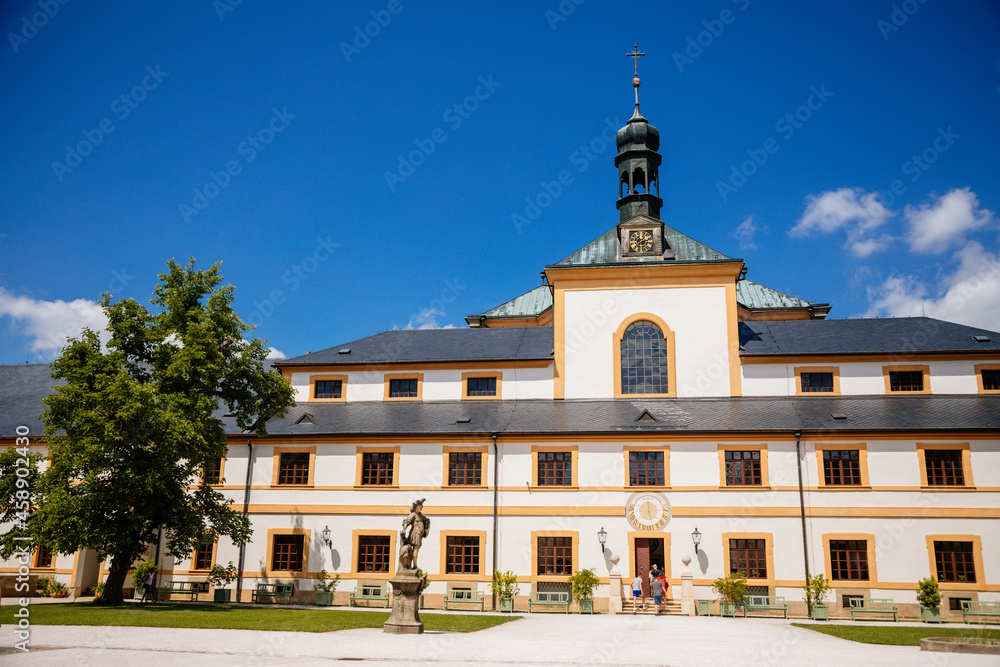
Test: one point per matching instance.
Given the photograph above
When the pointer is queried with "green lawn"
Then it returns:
(888, 634)
(226, 617)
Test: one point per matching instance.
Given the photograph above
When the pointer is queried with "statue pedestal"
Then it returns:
(615, 590)
(687, 588)
(405, 616)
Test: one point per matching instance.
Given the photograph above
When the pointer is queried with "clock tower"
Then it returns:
(640, 231)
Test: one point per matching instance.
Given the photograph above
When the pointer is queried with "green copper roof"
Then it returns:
(759, 297)
(606, 250)
(530, 304)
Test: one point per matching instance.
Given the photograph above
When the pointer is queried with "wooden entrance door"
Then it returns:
(648, 550)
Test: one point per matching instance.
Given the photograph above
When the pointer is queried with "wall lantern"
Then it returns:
(696, 538)
(326, 537)
(602, 536)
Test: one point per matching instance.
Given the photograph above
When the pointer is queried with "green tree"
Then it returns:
(132, 424)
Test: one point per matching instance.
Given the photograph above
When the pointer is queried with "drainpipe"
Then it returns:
(246, 509)
(496, 491)
(802, 503)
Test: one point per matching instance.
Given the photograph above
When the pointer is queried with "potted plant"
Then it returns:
(584, 582)
(42, 587)
(505, 587)
(98, 589)
(732, 590)
(220, 577)
(57, 589)
(142, 570)
(929, 597)
(817, 588)
(325, 587)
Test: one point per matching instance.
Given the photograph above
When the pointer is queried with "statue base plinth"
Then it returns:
(405, 616)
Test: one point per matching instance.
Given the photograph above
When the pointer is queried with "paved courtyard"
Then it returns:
(549, 639)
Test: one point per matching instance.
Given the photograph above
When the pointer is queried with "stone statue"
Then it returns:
(409, 542)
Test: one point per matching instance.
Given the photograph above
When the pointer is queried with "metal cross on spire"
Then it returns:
(635, 55)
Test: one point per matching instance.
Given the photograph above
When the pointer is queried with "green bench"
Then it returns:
(765, 603)
(549, 599)
(272, 592)
(369, 594)
(977, 608)
(459, 596)
(189, 588)
(873, 606)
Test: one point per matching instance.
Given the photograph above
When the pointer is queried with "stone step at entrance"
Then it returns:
(671, 607)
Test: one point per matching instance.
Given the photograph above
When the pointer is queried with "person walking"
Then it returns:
(637, 593)
(657, 587)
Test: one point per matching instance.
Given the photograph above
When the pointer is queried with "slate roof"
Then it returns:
(605, 250)
(902, 335)
(760, 297)
(437, 345)
(22, 388)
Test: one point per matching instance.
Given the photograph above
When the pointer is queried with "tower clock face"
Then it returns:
(640, 241)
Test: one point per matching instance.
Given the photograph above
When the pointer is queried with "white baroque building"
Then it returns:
(647, 390)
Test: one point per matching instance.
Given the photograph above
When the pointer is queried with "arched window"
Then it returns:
(644, 360)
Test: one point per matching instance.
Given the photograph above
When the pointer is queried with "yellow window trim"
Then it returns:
(764, 480)
(872, 580)
(359, 453)
(922, 447)
(222, 473)
(768, 555)
(561, 578)
(269, 556)
(574, 477)
(443, 572)
(834, 370)
(979, 377)
(419, 377)
(472, 375)
(446, 453)
(923, 368)
(616, 354)
(626, 449)
(276, 465)
(356, 551)
(194, 557)
(862, 448)
(977, 561)
(313, 379)
(635, 534)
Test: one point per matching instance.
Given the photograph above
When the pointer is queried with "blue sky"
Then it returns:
(352, 182)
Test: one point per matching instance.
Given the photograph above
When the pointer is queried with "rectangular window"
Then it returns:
(294, 468)
(213, 471)
(955, 604)
(743, 468)
(849, 560)
(555, 469)
(481, 387)
(991, 379)
(406, 388)
(44, 557)
(748, 557)
(329, 388)
(954, 562)
(555, 555)
(841, 467)
(373, 553)
(376, 468)
(906, 381)
(944, 467)
(813, 382)
(203, 552)
(462, 556)
(645, 468)
(465, 468)
(287, 554)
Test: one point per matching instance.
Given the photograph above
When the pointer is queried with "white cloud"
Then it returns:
(48, 324)
(937, 226)
(856, 212)
(970, 295)
(275, 353)
(425, 319)
(745, 233)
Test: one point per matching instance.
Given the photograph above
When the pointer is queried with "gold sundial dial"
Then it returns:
(647, 510)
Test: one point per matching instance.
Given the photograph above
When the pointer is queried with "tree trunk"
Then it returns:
(116, 581)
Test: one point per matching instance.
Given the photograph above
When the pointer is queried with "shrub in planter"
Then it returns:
(929, 597)
(57, 589)
(42, 587)
(584, 582)
(817, 588)
(325, 587)
(220, 577)
(732, 590)
(98, 589)
(505, 587)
